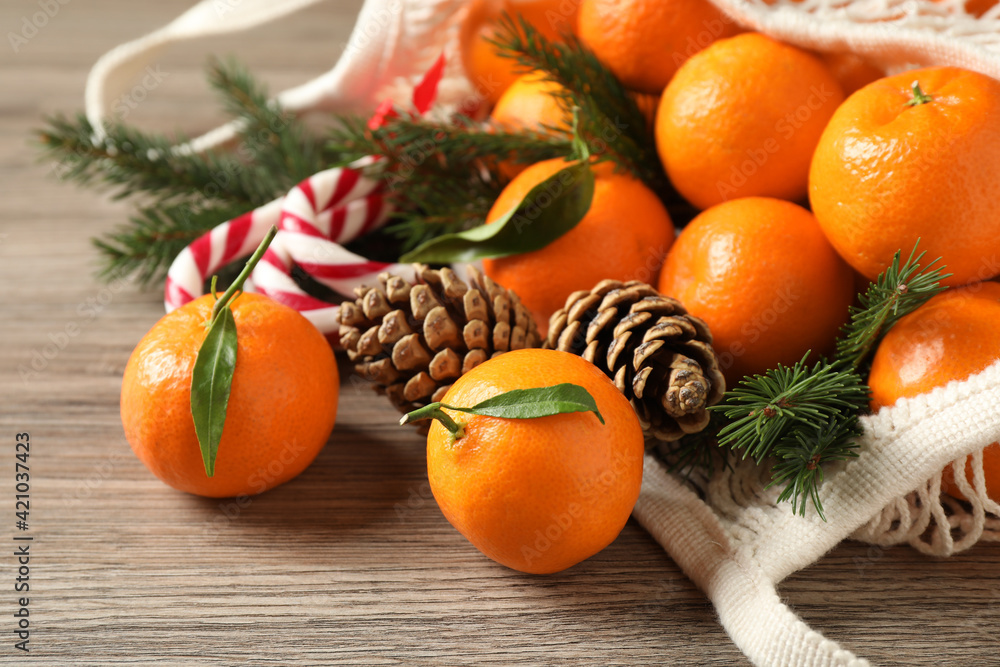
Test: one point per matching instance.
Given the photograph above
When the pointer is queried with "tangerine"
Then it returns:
(954, 335)
(913, 156)
(643, 42)
(742, 118)
(531, 103)
(625, 236)
(491, 73)
(850, 70)
(977, 7)
(763, 277)
(282, 404)
(537, 495)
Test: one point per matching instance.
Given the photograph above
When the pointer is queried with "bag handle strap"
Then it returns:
(392, 41)
(763, 627)
(115, 71)
(902, 446)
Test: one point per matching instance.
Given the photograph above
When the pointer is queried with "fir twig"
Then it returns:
(801, 458)
(898, 291)
(610, 120)
(155, 235)
(765, 409)
(132, 162)
(275, 140)
(184, 194)
(410, 144)
(440, 177)
(433, 209)
(808, 417)
(804, 416)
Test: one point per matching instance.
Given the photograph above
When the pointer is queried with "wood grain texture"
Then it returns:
(352, 563)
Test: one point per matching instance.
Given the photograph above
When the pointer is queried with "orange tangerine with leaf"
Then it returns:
(538, 494)
(278, 411)
(625, 235)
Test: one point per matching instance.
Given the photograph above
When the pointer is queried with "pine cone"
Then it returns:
(414, 340)
(660, 357)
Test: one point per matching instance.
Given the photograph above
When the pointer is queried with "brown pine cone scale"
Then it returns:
(658, 355)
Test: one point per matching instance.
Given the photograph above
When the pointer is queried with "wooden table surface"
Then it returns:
(351, 563)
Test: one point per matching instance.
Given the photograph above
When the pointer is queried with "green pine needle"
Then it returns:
(898, 291)
(801, 455)
(131, 162)
(807, 417)
(465, 143)
(411, 145)
(765, 409)
(184, 194)
(154, 236)
(274, 140)
(441, 177)
(610, 120)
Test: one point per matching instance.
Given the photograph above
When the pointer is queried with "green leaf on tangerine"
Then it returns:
(211, 382)
(538, 402)
(212, 376)
(515, 404)
(549, 210)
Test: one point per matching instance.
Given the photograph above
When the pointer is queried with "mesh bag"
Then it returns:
(723, 529)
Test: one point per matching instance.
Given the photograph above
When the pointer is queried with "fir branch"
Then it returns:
(433, 210)
(806, 417)
(610, 120)
(802, 455)
(155, 235)
(412, 144)
(274, 139)
(441, 177)
(898, 291)
(131, 162)
(185, 194)
(765, 409)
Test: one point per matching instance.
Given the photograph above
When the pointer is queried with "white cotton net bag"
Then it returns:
(724, 529)
(726, 532)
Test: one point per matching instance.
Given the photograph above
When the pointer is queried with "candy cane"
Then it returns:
(225, 243)
(319, 214)
(330, 208)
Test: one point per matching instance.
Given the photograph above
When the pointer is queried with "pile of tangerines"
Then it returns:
(810, 171)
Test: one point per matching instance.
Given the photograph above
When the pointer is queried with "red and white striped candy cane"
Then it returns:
(225, 243)
(330, 208)
(325, 210)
